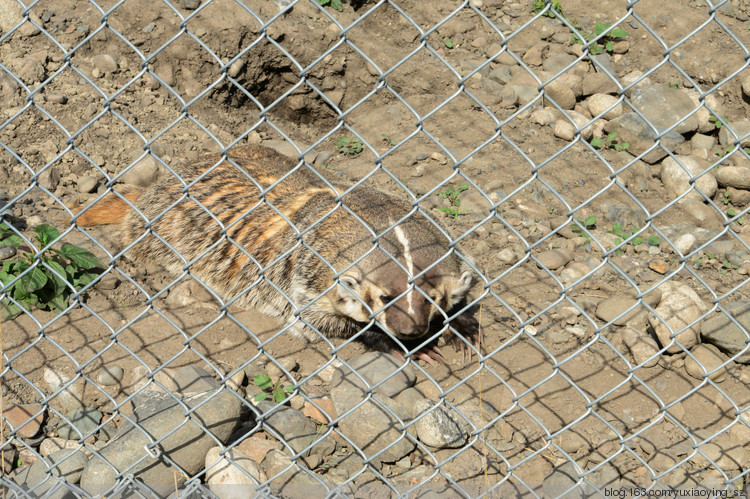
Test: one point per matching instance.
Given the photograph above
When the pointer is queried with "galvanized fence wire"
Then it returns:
(130, 484)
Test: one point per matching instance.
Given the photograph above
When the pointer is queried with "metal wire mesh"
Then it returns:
(555, 400)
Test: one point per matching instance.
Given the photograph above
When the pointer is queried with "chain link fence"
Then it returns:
(590, 158)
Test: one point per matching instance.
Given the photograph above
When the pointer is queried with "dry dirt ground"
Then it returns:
(552, 388)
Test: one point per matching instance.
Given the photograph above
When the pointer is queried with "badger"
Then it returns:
(264, 231)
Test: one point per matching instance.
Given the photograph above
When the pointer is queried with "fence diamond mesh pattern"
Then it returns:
(584, 166)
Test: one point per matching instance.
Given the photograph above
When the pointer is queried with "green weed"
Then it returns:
(41, 287)
(277, 390)
(605, 43)
(451, 195)
(352, 147)
(334, 4)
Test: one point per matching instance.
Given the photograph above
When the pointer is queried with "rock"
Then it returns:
(50, 178)
(438, 428)
(562, 478)
(187, 380)
(739, 197)
(81, 422)
(677, 180)
(191, 4)
(734, 176)
(685, 243)
(581, 121)
(555, 258)
(53, 444)
(679, 306)
(740, 128)
(375, 367)
(506, 256)
(707, 358)
(87, 184)
(143, 173)
(561, 93)
(564, 130)
(632, 129)
(664, 106)
(68, 398)
(110, 375)
(700, 141)
(501, 74)
(557, 62)
(297, 430)
(67, 464)
(105, 63)
(607, 310)
(7, 252)
(641, 346)
(291, 480)
(725, 334)
(257, 448)
(599, 83)
(599, 103)
(224, 473)
(25, 419)
(543, 117)
(159, 416)
(703, 214)
(373, 429)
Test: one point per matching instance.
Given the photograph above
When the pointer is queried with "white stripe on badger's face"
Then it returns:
(401, 236)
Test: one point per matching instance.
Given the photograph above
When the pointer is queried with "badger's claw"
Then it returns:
(468, 327)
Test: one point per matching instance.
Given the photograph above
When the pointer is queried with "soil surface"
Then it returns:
(435, 107)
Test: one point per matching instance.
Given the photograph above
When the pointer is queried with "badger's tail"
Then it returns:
(111, 209)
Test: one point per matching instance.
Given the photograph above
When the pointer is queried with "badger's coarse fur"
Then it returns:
(238, 237)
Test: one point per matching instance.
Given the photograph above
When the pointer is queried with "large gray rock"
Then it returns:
(297, 430)
(721, 331)
(49, 476)
(186, 444)
(633, 129)
(375, 367)
(373, 428)
(664, 106)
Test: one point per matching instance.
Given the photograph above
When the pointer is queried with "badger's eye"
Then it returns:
(386, 298)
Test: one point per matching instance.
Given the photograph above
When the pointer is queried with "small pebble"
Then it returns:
(110, 375)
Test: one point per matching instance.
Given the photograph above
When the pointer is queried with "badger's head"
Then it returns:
(383, 286)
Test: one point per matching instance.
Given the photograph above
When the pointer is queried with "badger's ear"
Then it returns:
(351, 284)
(460, 287)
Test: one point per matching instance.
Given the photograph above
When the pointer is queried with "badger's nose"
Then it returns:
(409, 316)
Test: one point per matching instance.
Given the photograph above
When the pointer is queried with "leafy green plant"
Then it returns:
(723, 152)
(539, 5)
(448, 43)
(388, 140)
(277, 390)
(606, 42)
(731, 212)
(610, 142)
(716, 121)
(451, 195)
(725, 198)
(589, 223)
(345, 145)
(334, 4)
(41, 287)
